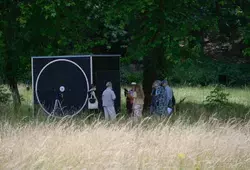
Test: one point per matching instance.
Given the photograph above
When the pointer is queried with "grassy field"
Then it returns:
(197, 95)
(65, 145)
(196, 137)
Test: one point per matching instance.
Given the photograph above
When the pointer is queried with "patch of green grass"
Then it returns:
(26, 95)
(192, 108)
(198, 94)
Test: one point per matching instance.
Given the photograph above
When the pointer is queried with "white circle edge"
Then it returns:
(37, 97)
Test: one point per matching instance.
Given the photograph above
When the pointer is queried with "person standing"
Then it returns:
(159, 105)
(108, 98)
(170, 100)
(154, 93)
(92, 90)
(129, 98)
(138, 102)
(92, 99)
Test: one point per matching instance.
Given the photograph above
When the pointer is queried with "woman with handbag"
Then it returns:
(92, 100)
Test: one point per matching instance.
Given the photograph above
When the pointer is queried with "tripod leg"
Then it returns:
(59, 103)
(55, 107)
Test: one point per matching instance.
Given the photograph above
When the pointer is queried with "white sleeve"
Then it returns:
(93, 94)
(113, 95)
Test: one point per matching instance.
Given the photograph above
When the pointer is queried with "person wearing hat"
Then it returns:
(130, 98)
(108, 98)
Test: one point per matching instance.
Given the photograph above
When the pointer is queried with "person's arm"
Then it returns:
(134, 95)
(153, 92)
(93, 94)
(113, 95)
(157, 92)
(125, 92)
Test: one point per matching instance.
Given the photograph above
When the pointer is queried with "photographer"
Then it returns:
(92, 100)
(129, 98)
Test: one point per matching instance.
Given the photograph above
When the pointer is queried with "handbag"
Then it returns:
(92, 102)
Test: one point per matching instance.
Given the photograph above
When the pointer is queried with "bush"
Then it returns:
(4, 95)
(217, 97)
(193, 72)
(128, 75)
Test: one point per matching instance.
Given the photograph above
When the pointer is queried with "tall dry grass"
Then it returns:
(100, 145)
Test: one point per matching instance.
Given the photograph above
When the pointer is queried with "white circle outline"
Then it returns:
(66, 60)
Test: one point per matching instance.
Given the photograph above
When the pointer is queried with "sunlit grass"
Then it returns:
(188, 140)
(192, 94)
(65, 145)
(198, 94)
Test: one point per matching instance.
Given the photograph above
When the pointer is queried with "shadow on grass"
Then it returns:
(194, 111)
(187, 111)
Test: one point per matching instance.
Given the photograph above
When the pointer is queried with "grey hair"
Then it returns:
(108, 84)
(157, 83)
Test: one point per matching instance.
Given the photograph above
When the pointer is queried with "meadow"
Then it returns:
(196, 137)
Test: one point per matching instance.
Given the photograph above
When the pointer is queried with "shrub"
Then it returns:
(128, 75)
(4, 95)
(207, 71)
(217, 96)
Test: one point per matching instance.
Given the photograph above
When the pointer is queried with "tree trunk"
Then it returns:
(15, 96)
(11, 53)
(154, 69)
(149, 75)
(10, 72)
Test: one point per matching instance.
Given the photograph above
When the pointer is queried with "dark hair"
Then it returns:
(164, 82)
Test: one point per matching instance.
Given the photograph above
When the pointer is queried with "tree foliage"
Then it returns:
(158, 33)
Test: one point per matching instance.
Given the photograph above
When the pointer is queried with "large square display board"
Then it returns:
(61, 83)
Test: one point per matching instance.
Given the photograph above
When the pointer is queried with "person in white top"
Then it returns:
(108, 98)
(92, 91)
(138, 103)
(92, 100)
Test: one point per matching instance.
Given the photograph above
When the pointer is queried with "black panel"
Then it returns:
(102, 77)
(57, 74)
(107, 68)
(106, 63)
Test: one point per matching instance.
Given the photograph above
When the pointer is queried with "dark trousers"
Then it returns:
(129, 108)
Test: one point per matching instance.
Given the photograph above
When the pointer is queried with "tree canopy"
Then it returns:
(159, 33)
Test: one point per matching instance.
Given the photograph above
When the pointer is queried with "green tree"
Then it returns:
(51, 27)
(10, 46)
(161, 32)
